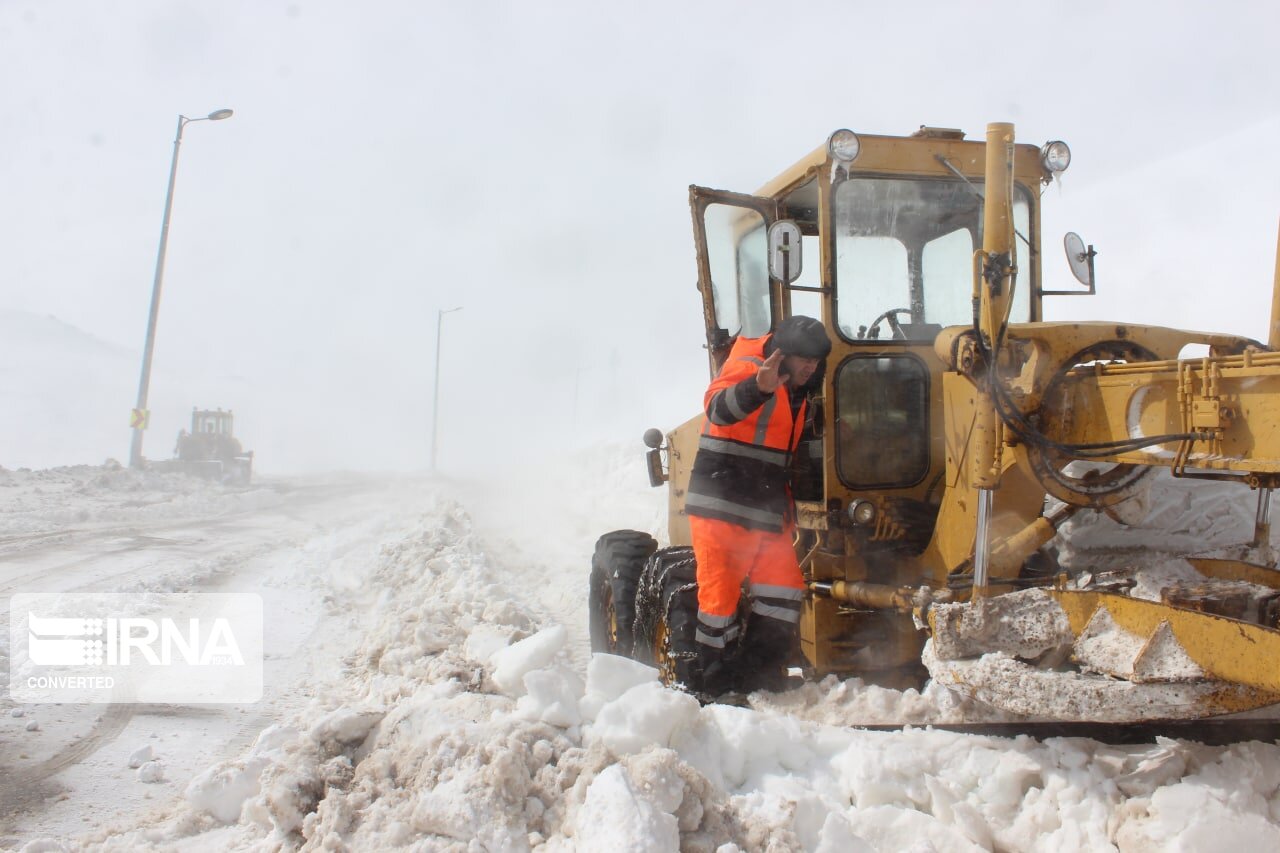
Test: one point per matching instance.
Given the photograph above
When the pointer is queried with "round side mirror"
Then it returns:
(1079, 258)
(653, 438)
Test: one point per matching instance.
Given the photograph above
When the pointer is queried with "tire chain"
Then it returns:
(652, 607)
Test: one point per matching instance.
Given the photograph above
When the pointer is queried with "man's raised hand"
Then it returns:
(767, 378)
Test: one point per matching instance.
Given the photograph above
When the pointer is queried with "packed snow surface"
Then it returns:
(441, 696)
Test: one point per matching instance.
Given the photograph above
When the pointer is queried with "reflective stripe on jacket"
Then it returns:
(740, 472)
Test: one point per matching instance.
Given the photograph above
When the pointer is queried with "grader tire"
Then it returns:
(611, 597)
(667, 614)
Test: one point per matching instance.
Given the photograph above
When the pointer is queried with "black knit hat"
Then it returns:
(802, 336)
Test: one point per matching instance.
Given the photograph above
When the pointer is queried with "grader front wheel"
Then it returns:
(615, 572)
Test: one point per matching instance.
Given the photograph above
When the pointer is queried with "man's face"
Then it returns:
(798, 368)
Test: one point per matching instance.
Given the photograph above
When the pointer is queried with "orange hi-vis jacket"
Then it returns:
(740, 472)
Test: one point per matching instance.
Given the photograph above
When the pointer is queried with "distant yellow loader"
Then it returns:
(211, 450)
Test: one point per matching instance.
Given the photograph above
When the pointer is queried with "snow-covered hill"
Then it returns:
(64, 394)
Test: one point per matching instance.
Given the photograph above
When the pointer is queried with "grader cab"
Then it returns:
(955, 432)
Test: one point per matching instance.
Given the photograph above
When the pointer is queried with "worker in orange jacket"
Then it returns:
(741, 511)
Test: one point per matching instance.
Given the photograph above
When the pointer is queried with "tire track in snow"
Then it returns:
(25, 789)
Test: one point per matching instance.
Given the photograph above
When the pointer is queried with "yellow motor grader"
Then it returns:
(955, 433)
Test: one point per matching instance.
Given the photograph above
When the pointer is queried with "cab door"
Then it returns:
(730, 231)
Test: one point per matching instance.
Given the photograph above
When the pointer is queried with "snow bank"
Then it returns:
(462, 721)
(60, 501)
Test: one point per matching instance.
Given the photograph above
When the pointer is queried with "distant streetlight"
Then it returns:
(435, 397)
(140, 411)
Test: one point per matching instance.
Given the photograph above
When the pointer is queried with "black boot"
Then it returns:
(768, 649)
(716, 677)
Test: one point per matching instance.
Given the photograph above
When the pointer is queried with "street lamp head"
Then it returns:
(219, 115)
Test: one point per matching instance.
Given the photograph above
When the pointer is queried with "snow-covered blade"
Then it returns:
(1106, 654)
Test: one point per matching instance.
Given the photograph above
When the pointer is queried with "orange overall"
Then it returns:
(739, 503)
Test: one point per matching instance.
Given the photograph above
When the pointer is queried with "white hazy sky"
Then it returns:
(530, 162)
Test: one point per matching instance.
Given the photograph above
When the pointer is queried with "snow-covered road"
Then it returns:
(291, 541)
(429, 687)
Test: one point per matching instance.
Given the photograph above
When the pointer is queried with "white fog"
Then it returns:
(428, 678)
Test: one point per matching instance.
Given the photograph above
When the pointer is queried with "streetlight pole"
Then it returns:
(140, 410)
(435, 397)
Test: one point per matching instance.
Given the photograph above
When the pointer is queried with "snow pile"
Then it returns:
(837, 702)
(53, 501)
(1173, 516)
(462, 723)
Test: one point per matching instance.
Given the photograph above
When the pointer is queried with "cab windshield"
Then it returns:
(904, 256)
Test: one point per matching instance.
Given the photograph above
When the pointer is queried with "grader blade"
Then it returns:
(1011, 685)
(1100, 656)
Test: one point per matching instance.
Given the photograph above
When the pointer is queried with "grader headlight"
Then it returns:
(862, 513)
(1055, 156)
(843, 145)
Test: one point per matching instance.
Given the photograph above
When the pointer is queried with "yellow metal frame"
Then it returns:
(1228, 400)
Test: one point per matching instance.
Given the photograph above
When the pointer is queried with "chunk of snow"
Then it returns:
(510, 665)
(151, 772)
(141, 756)
(551, 696)
(484, 641)
(345, 726)
(646, 714)
(273, 737)
(608, 677)
(617, 816)
(222, 789)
